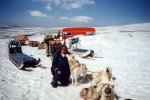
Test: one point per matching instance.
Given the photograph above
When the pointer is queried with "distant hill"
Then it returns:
(7, 27)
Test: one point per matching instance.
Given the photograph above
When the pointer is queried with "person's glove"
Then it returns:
(57, 70)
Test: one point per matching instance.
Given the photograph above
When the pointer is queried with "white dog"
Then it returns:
(76, 72)
(107, 77)
(77, 69)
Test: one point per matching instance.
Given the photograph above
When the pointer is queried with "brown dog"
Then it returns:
(99, 92)
(33, 43)
(90, 93)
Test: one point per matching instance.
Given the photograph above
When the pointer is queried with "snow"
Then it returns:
(127, 56)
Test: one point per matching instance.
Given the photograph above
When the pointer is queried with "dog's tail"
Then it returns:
(117, 97)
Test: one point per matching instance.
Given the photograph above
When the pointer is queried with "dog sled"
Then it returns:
(18, 58)
(73, 46)
(84, 53)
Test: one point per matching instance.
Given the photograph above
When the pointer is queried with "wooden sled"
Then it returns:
(18, 58)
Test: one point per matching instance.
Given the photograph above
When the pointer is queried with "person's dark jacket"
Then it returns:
(61, 63)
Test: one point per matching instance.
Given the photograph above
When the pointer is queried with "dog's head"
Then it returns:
(72, 60)
(84, 69)
(109, 72)
(84, 93)
(108, 90)
(70, 57)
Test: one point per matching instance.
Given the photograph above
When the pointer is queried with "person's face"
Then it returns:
(64, 50)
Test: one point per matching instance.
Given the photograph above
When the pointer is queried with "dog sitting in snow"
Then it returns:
(76, 69)
(107, 92)
(104, 76)
(107, 77)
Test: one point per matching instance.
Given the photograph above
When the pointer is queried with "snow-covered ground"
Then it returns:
(126, 49)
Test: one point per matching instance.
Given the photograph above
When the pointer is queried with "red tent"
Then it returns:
(70, 32)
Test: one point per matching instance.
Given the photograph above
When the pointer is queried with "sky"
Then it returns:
(59, 13)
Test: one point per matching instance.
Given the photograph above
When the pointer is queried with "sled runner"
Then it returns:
(84, 52)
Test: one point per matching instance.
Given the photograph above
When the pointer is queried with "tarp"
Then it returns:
(73, 41)
(22, 57)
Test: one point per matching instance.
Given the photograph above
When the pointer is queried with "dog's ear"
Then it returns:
(87, 89)
(70, 56)
(107, 70)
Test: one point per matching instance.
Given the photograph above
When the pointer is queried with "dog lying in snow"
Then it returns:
(104, 76)
(33, 43)
(99, 92)
(76, 69)
(89, 93)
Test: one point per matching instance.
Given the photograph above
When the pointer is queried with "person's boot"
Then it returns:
(64, 84)
(54, 84)
(38, 61)
(47, 55)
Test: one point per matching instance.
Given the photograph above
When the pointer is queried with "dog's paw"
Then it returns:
(77, 84)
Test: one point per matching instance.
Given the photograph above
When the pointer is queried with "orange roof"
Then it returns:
(21, 37)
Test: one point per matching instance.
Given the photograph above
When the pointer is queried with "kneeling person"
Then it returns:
(60, 68)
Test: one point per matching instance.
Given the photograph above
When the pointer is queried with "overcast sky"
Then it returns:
(56, 13)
